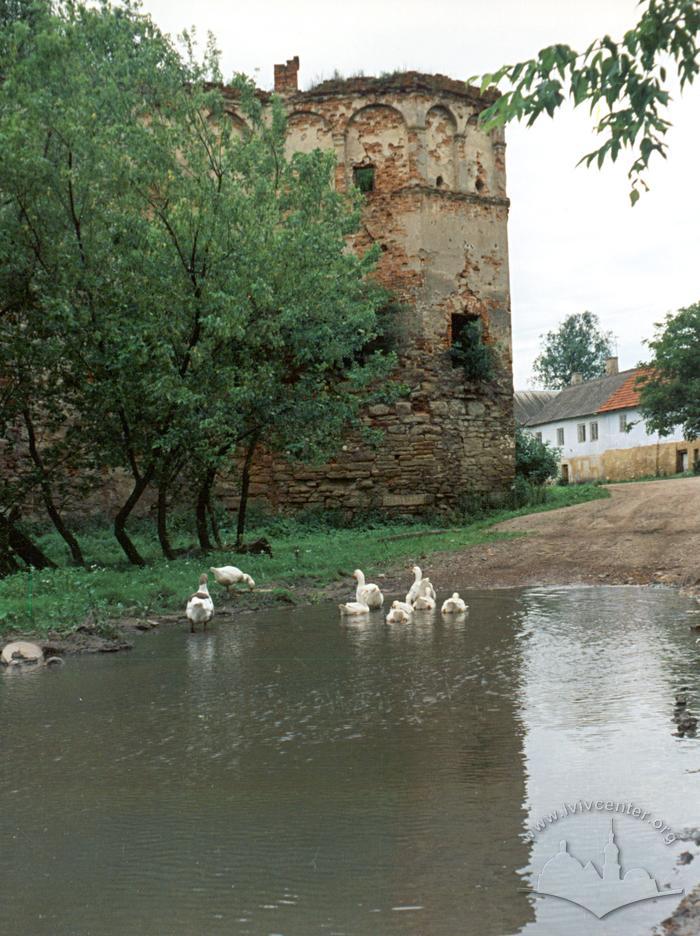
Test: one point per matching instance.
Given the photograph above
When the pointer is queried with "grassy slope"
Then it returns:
(304, 558)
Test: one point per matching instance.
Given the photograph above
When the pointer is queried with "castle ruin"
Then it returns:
(435, 201)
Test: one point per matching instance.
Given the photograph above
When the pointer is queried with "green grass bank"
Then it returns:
(309, 554)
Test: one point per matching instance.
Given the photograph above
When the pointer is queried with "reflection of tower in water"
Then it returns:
(460, 856)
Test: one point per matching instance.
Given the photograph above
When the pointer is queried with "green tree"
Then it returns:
(172, 287)
(670, 392)
(577, 346)
(630, 79)
(535, 461)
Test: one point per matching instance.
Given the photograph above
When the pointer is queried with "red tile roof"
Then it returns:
(627, 395)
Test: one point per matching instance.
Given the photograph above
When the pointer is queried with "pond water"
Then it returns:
(285, 774)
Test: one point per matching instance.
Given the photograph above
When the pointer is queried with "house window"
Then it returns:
(538, 436)
(581, 430)
(623, 422)
(560, 436)
(594, 431)
(363, 177)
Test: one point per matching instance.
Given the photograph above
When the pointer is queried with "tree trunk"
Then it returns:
(21, 545)
(202, 503)
(130, 550)
(49, 503)
(245, 485)
(162, 520)
(214, 525)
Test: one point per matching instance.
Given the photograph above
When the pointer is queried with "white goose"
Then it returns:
(425, 600)
(399, 613)
(200, 607)
(353, 609)
(453, 605)
(230, 575)
(367, 593)
(414, 590)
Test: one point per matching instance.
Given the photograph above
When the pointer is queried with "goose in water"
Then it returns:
(398, 613)
(414, 590)
(353, 609)
(425, 600)
(453, 605)
(367, 592)
(200, 607)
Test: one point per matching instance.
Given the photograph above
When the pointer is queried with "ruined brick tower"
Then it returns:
(436, 203)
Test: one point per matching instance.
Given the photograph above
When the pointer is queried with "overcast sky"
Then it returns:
(575, 242)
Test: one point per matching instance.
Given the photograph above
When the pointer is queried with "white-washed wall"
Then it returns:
(610, 436)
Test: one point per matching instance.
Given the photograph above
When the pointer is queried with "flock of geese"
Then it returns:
(420, 597)
(368, 597)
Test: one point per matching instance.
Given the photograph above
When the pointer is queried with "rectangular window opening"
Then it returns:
(594, 432)
(560, 436)
(458, 322)
(623, 422)
(363, 177)
(581, 430)
(538, 436)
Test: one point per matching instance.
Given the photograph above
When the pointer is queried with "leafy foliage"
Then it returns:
(577, 346)
(535, 461)
(173, 288)
(476, 356)
(670, 393)
(629, 79)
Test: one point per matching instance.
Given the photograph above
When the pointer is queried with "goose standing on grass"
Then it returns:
(400, 613)
(425, 600)
(414, 590)
(200, 607)
(367, 593)
(230, 575)
(453, 605)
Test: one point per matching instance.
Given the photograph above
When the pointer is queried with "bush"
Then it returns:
(527, 494)
(535, 461)
(473, 354)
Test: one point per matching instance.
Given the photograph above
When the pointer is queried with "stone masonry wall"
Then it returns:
(439, 212)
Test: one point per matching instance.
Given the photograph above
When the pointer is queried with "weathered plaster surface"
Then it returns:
(439, 212)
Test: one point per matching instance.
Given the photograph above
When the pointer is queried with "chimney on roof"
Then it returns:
(576, 378)
(286, 76)
(611, 366)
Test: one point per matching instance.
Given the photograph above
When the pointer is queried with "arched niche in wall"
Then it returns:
(376, 136)
(307, 131)
(230, 121)
(440, 129)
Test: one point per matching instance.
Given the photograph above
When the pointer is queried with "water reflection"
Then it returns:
(601, 668)
(286, 774)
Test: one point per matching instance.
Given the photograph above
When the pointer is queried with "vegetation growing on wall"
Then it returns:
(473, 354)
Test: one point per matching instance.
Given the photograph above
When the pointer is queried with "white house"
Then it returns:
(598, 428)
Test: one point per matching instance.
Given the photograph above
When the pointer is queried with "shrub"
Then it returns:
(535, 461)
(473, 354)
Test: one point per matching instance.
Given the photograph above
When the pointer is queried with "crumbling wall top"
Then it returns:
(401, 82)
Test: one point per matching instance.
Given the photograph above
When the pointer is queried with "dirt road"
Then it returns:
(643, 533)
